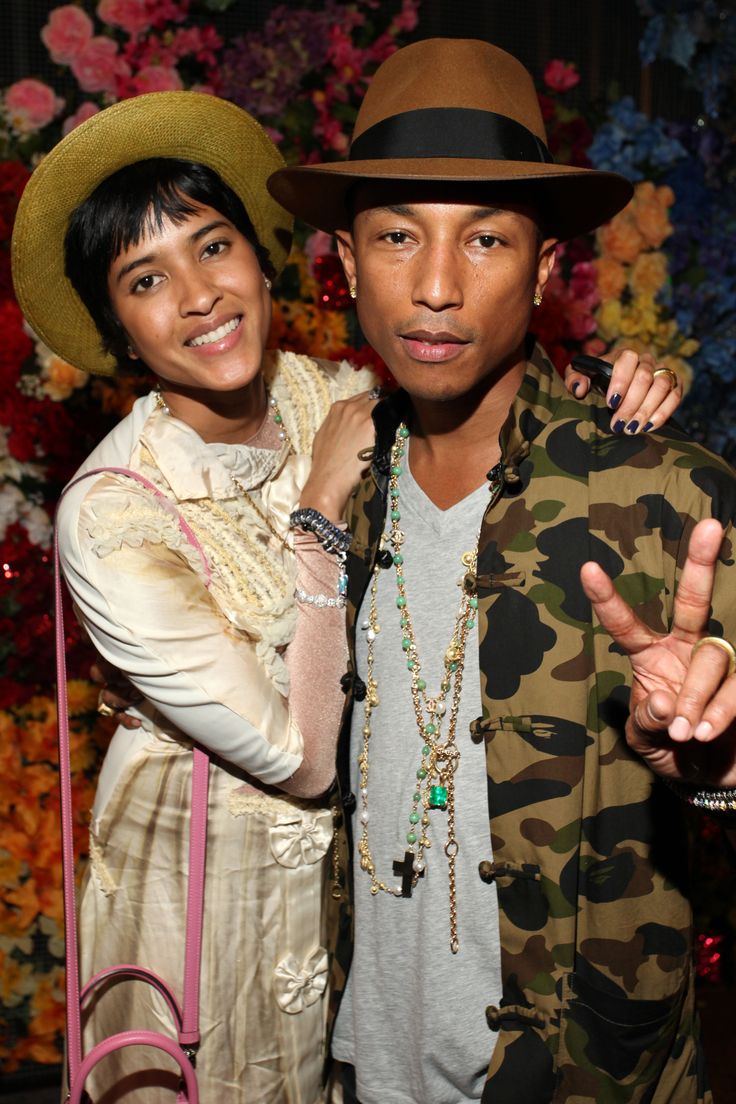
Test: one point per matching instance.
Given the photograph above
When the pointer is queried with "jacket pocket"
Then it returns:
(608, 1040)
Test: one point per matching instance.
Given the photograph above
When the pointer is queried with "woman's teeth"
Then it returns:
(216, 335)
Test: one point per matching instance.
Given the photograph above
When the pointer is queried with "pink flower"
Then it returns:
(85, 111)
(131, 15)
(157, 78)
(97, 65)
(67, 31)
(561, 75)
(30, 104)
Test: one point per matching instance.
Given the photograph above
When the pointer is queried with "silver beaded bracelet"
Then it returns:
(321, 601)
(711, 801)
(330, 536)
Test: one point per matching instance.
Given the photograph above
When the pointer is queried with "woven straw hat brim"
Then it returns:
(573, 200)
(191, 126)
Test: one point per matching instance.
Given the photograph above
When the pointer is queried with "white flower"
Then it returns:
(37, 524)
(11, 505)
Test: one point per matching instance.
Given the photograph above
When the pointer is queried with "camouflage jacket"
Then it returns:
(586, 847)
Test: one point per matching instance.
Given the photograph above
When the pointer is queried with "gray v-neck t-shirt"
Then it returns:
(412, 1019)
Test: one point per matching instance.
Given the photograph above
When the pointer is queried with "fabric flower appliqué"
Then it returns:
(302, 839)
(297, 986)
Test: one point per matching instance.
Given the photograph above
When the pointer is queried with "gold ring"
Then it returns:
(103, 708)
(674, 379)
(724, 645)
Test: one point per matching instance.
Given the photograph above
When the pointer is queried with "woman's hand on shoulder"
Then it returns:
(642, 394)
(341, 454)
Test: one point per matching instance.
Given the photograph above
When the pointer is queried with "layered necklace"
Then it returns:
(434, 791)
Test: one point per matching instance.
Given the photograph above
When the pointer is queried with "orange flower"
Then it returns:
(19, 908)
(620, 238)
(651, 212)
(611, 277)
(48, 1004)
(60, 379)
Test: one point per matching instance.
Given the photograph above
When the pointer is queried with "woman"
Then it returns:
(149, 231)
(173, 273)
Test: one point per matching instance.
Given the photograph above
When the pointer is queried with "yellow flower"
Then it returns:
(82, 696)
(609, 319)
(648, 273)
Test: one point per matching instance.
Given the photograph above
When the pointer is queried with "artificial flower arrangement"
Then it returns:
(640, 281)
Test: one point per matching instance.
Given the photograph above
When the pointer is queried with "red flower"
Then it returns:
(333, 286)
(547, 106)
(15, 347)
(13, 178)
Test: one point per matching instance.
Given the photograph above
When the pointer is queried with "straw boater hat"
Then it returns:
(453, 110)
(191, 126)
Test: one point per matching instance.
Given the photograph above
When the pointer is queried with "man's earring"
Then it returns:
(353, 291)
(537, 298)
(268, 283)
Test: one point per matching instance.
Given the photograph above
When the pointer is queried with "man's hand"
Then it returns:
(640, 401)
(683, 699)
(117, 695)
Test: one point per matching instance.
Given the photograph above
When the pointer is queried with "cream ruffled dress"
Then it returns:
(210, 664)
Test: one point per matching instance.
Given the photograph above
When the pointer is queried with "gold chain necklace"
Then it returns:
(435, 786)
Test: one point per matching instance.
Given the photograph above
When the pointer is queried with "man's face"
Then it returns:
(445, 283)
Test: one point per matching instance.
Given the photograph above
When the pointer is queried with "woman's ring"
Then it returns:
(674, 380)
(103, 708)
(375, 393)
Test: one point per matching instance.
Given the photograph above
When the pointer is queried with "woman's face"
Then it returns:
(194, 305)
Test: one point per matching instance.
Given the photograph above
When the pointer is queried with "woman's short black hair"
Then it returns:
(129, 203)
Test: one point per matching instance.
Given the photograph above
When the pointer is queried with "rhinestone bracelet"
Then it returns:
(321, 601)
(329, 535)
(720, 804)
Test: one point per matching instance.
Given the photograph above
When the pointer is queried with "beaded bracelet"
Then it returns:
(321, 601)
(329, 535)
(720, 804)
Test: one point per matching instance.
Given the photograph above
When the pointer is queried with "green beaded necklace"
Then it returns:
(435, 787)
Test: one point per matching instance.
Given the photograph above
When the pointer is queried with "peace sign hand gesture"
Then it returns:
(683, 698)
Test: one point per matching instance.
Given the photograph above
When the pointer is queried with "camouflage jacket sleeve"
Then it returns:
(586, 847)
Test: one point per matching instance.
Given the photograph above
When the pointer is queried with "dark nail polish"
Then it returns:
(647, 427)
(619, 425)
(632, 427)
(615, 402)
(576, 387)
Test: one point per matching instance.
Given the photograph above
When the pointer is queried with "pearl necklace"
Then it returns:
(435, 787)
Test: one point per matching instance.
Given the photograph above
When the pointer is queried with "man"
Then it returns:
(548, 957)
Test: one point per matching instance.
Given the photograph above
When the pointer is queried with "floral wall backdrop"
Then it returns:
(658, 276)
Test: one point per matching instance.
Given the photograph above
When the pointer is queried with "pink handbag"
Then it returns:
(185, 1017)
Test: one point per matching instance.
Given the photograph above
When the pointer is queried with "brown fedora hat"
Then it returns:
(455, 110)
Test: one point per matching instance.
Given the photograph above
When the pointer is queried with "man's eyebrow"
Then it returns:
(150, 258)
(408, 211)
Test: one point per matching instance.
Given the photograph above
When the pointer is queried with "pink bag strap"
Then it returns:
(187, 1021)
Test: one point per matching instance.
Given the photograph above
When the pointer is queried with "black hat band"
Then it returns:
(449, 132)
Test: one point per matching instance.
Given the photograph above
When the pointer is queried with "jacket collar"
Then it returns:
(539, 394)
